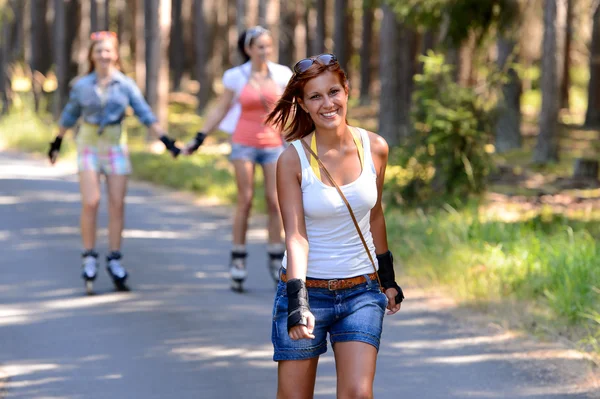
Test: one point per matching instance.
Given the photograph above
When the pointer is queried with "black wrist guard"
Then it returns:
(170, 145)
(54, 147)
(198, 140)
(297, 303)
(387, 274)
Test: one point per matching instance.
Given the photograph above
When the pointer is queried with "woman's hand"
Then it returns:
(54, 149)
(392, 306)
(194, 144)
(301, 331)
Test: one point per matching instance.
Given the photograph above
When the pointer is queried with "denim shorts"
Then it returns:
(261, 156)
(353, 314)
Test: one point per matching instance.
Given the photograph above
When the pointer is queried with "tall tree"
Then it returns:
(241, 16)
(508, 125)
(176, 46)
(365, 51)
(262, 12)
(320, 33)
(85, 29)
(565, 82)
(139, 43)
(203, 41)
(546, 149)
(6, 26)
(94, 15)
(592, 115)
(40, 57)
(340, 34)
(158, 25)
(60, 56)
(72, 19)
(288, 18)
(389, 109)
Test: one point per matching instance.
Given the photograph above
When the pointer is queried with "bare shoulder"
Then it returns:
(379, 146)
(289, 161)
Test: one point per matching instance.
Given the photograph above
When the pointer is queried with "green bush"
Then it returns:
(449, 155)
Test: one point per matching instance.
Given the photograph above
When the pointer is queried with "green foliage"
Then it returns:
(547, 260)
(448, 153)
(457, 19)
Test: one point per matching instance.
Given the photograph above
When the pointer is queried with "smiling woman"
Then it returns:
(330, 283)
(101, 98)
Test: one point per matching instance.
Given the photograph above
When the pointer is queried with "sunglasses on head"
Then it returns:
(323, 59)
(253, 33)
(101, 35)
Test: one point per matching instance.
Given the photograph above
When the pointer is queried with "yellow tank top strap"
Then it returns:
(357, 141)
(313, 162)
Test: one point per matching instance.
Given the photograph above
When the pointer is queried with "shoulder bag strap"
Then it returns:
(339, 190)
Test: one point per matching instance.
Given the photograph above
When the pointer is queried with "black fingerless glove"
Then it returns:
(387, 274)
(197, 142)
(170, 145)
(297, 303)
(54, 147)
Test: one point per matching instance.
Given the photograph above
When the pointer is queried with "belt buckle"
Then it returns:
(329, 284)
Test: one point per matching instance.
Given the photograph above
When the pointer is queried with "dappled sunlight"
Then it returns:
(34, 383)
(415, 322)
(157, 234)
(110, 377)
(455, 343)
(564, 354)
(195, 353)
(9, 200)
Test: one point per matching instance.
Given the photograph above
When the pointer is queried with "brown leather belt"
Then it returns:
(335, 284)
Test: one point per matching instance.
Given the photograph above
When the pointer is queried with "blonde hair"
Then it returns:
(115, 43)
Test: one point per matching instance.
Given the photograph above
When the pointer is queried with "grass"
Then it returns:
(541, 257)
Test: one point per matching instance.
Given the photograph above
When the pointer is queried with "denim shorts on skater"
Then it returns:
(353, 314)
(261, 156)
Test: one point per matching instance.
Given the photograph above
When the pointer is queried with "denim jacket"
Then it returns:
(85, 102)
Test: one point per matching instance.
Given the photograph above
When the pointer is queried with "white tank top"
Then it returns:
(335, 249)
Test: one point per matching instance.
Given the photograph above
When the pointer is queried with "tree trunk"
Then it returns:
(320, 32)
(389, 109)
(287, 48)
(7, 22)
(340, 35)
(140, 43)
(565, 83)
(365, 52)
(508, 126)
(72, 19)
(124, 26)
(41, 58)
(241, 16)
(546, 149)
(262, 13)
(592, 115)
(158, 21)
(585, 169)
(106, 15)
(406, 69)
(94, 15)
(176, 48)
(203, 42)
(60, 56)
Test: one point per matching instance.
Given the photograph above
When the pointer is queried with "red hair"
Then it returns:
(301, 124)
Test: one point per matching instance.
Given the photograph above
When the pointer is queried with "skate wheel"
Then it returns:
(237, 286)
(89, 287)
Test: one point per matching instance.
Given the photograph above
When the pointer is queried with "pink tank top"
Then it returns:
(251, 129)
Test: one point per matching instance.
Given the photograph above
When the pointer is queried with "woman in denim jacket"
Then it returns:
(101, 98)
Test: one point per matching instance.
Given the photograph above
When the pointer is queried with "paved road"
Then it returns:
(181, 333)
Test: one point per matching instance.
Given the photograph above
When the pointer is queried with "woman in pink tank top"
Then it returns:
(252, 89)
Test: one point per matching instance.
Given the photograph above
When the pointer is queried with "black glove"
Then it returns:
(387, 274)
(297, 303)
(170, 145)
(196, 143)
(54, 149)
